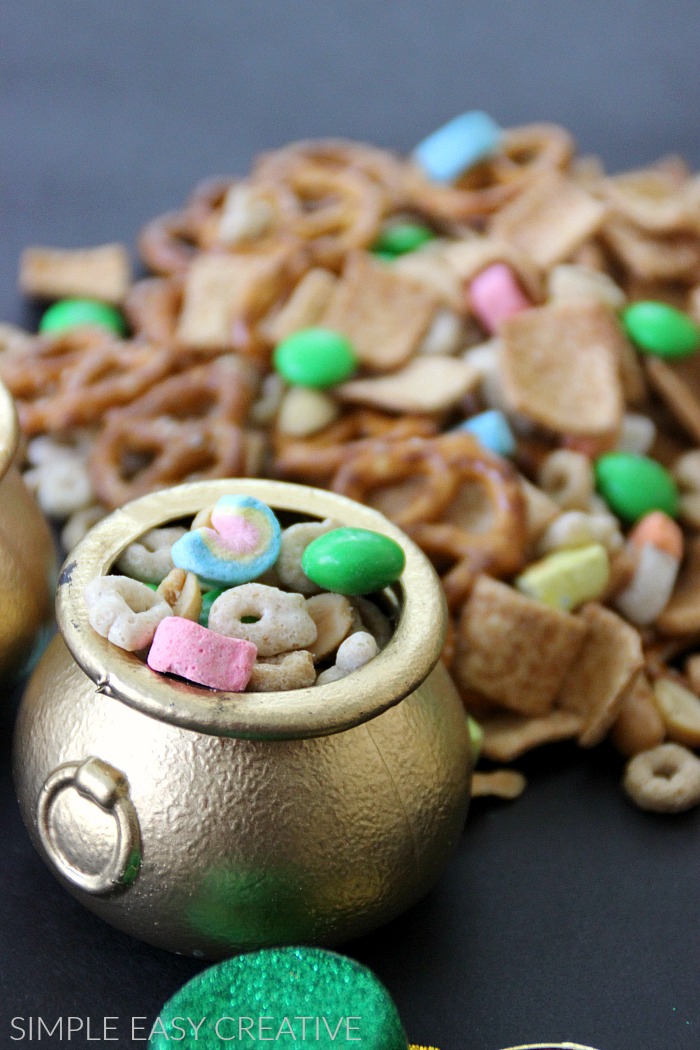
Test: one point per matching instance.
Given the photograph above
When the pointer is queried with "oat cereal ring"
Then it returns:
(133, 456)
(61, 485)
(181, 591)
(294, 542)
(152, 307)
(665, 779)
(381, 464)
(316, 459)
(148, 558)
(567, 478)
(124, 611)
(280, 622)
(293, 670)
(79, 524)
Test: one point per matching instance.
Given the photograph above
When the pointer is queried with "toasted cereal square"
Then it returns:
(672, 256)
(678, 385)
(514, 650)
(303, 308)
(560, 367)
(508, 736)
(223, 289)
(76, 273)
(507, 784)
(596, 681)
(424, 385)
(549, 219)
(384, 315)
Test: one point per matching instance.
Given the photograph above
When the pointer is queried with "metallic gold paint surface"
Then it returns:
(300, 830)
(27, 558)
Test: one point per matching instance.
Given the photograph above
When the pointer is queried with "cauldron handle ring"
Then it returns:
(108, 788)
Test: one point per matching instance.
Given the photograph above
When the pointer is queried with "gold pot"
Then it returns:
(27, 556)
(208, 823)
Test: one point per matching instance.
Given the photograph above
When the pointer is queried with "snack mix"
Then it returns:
(491, 341)
(194, 601)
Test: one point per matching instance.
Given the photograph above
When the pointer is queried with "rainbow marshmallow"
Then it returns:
(243, 542)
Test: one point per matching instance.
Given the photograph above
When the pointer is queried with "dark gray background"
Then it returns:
(568, 915)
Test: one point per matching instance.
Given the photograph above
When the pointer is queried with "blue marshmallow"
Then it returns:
(491, 430)
(458, 146)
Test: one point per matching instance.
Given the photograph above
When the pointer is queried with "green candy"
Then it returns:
(281, 997)
(660, 329)
(635, 485)
(208, 599)
(315, 357)
(402, 238)
(72, 313)
(353, 561)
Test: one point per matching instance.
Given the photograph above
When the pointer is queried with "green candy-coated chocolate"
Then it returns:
(315, 357)
(208, 599)
(282, 997)
(660, 329)
(72, 313)
(402, 238)
(353, 561)
(635, 485)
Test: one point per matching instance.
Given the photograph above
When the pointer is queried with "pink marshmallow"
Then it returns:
(187, 649)
(495, 295)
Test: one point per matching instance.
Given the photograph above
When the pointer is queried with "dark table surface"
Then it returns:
(568, 915)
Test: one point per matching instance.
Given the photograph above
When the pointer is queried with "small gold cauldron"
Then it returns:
(27, 557)
(208, 823)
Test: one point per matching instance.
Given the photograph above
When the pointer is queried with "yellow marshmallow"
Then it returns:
(567, 578)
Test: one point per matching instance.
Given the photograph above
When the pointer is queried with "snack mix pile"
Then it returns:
(493, 342)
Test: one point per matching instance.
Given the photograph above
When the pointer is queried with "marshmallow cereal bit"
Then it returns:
(124, 611)
(495, 295)
(185, 648)
(149, 558)
(275, 621)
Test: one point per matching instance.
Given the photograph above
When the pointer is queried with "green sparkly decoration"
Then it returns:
(284, 996)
